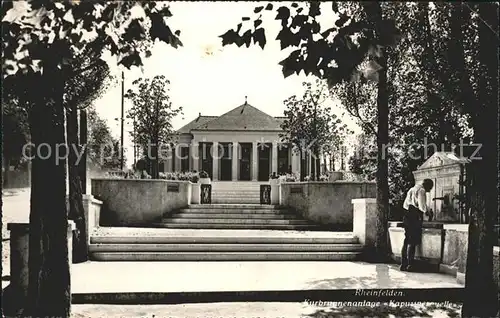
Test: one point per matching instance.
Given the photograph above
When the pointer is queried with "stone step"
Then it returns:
(226, 256)
(237, 221)
(228, 247)
(201, 215)
(228, 201)
(237, 211)
(235, 195)
(243, 206)
(232, 226)
(244, 193)
(235, 239)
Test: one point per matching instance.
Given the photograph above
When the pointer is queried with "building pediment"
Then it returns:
(439, 159)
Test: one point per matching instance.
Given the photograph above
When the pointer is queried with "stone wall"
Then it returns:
(328, 203)
(445, 247)
(139, 202)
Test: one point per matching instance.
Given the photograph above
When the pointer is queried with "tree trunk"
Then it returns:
(481, 294)
(76, 209)
(49, 292)
(374, 13)
(82, 168)
(303, 165)
(382, 173)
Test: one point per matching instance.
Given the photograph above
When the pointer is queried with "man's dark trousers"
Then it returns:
(412, 222)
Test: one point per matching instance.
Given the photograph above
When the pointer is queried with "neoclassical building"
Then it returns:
(208, 143)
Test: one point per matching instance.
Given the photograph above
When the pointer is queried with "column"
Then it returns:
(195, 155)
(215, 162)
(235, 159)
(274, 158)
(254, 161)
(177, 159)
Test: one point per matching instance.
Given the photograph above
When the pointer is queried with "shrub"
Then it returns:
(203, 174)
(290, 177)
(323, 177)
(273, 176)
(195, 178)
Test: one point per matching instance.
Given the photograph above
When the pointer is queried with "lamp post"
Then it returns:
(122, 120)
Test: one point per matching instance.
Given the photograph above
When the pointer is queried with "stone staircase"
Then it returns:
(115, 244)
(229, 192)
(225, 232)
(236, 216)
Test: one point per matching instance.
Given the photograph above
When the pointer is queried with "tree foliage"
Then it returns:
(103, 147)
(310, 126)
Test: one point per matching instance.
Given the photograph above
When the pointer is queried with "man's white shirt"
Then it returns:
(416, 196)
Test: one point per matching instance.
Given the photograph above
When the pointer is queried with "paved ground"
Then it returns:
(108, 277)
(16, 206)
(174, 277)
(140, 232)
(265, 310)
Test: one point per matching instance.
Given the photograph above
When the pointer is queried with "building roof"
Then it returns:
(242, 118)
(200, 120)
(442, 158)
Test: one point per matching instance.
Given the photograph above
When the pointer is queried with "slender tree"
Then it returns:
(152, 112)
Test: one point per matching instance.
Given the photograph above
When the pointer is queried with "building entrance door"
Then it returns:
(264, 154)
(225, 164)
(205, 152)
(246, 155)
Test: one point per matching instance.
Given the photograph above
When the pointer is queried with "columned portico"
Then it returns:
(242, 144)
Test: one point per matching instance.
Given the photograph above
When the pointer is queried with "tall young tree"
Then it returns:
(309, 125)
(152, 112)
(40, 42)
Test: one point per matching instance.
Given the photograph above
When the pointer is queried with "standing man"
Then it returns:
(415, 207)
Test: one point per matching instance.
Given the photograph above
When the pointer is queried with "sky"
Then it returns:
(213, 84)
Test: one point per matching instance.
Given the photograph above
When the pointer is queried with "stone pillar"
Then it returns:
(365, 222)
(275, 191)
(92, 208)
(235, 159)
(274, 157)
(255, 162)
(216, 159)
(19, 254)
(195, 156)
